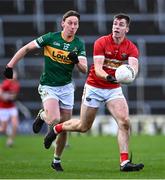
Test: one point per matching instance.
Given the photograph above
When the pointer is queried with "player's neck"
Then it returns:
(66, 37)
(118, 40)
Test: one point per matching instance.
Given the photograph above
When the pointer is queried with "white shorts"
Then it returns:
(94, 97)
(64, 94)
(6, 113)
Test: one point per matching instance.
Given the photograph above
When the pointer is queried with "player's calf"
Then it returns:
(38, 123)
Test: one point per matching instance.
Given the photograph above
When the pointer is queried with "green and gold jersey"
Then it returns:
(58, 67)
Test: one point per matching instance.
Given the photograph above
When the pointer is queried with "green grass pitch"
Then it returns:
(88, 157)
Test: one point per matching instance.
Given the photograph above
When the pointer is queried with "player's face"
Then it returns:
(119, 28)
(70, 25)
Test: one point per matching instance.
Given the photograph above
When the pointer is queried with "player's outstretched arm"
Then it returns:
(8, 72)
(21, 53)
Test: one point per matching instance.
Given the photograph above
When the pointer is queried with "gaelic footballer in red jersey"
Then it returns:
(9, 90)
(8, 93)
(114, 55)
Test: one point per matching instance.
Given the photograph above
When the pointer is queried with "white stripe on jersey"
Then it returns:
(37, 45)
(99, 56)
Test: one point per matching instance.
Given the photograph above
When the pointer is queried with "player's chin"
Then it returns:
(72, 33)
(116, 34)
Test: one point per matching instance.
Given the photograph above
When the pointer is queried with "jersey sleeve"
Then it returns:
(133, 51)
(82, 51)
(99, 47)
(44, 39)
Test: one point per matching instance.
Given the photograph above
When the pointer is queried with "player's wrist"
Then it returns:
(111, 78)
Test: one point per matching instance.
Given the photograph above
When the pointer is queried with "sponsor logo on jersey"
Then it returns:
(56, 43)
(112, 63)
(57, 55)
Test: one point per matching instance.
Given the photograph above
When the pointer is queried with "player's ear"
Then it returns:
(127, 29)
(62, 24)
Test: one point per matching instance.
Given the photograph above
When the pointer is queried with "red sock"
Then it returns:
(123, 156)
(58, 128)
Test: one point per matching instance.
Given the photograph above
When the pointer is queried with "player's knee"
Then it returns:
(124, 124)
(15, 124)
(84, 128)
(3, 130)
(52, 120)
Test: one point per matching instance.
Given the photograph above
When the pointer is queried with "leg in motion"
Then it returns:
(119, 110)
(39, 121)
(76, 125)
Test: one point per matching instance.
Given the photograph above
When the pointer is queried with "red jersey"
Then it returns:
(115, 55)
(9, 86)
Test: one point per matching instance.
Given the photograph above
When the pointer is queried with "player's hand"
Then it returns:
(111, 79)
(73, 57)
(8, 72)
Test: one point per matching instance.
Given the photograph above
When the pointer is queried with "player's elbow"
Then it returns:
(83, 69)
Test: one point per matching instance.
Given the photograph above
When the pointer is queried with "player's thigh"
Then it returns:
(87, 115)
(118, 108)
(51, 108)
(14, 116)
(14, 120)
(4, 114)
(3, 126)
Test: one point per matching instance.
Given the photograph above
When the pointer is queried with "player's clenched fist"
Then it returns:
(73, 57)
(8, 72)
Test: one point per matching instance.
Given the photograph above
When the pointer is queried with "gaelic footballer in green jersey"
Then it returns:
(62, 50)
(58, 67)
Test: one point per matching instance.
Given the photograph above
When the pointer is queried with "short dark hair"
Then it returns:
(123, 16)
(71, 13)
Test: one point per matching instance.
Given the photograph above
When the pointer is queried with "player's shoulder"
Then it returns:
(102, 39)
(78, 39)
(130, 42)
(131, 47)
(54, 34)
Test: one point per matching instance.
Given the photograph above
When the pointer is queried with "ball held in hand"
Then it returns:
(125, 74)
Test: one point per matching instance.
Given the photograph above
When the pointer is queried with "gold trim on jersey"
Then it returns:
(112, 63)
(57, 55)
